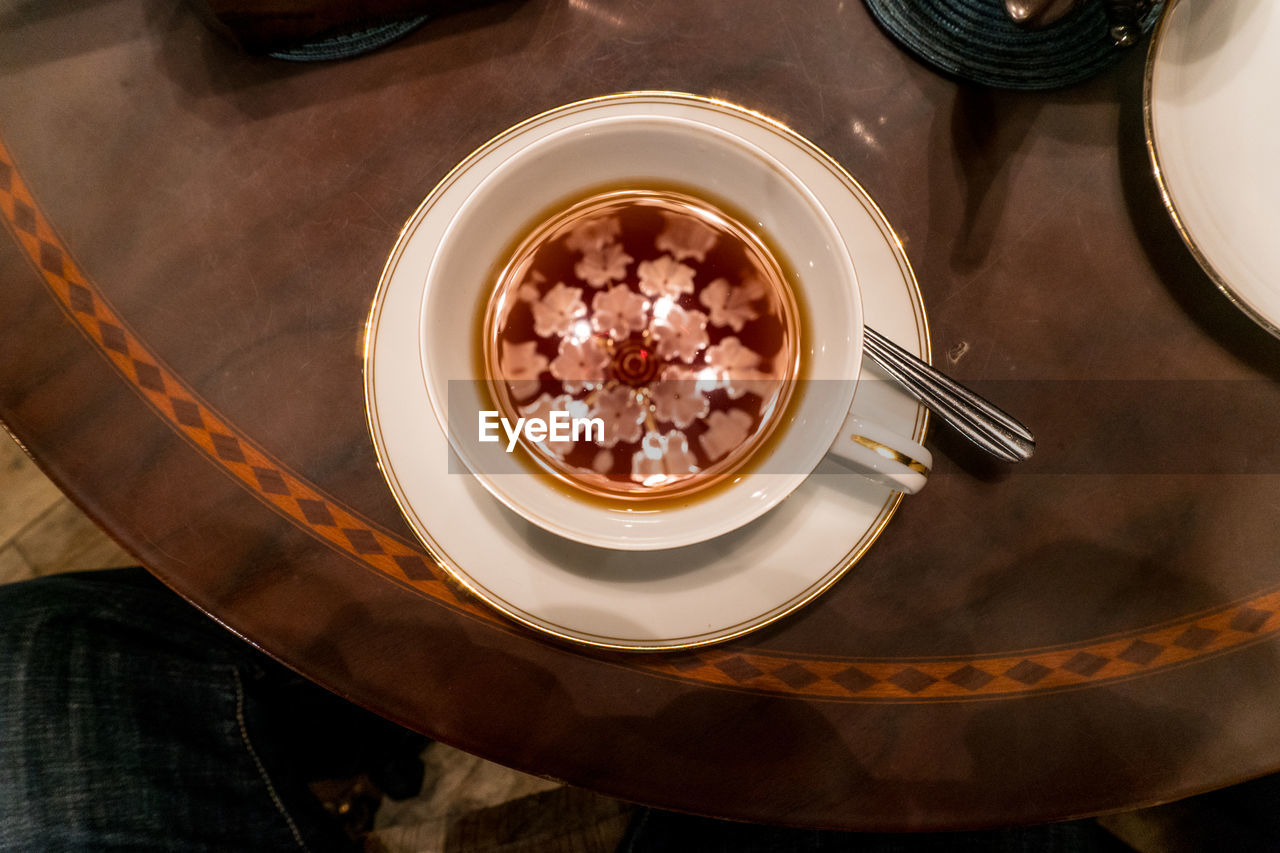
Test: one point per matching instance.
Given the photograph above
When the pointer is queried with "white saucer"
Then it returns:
(1214, 139)
(636, 600)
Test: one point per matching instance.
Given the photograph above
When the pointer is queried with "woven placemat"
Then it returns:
(351, 44)
(975, 40)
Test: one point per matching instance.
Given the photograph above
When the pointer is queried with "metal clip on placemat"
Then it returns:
(977, 40)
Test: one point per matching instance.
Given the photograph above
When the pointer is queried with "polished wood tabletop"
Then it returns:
(194, 239)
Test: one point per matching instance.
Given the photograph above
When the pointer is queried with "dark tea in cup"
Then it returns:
(657, 318)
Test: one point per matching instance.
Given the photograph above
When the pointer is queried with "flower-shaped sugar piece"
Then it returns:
(685, 237)
(600, 266)
(727, 430)
(522, 364)
(622, 411)
(676, 398)
(736, 368)
(594, 234)
(555, 312)
(619, 311)
(665, 276)
(543, 407)
(731, 306)
(731, 356)
(662, 459)
(678, 333)
(580, 365)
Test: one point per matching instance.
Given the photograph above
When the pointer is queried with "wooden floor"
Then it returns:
(41, 531)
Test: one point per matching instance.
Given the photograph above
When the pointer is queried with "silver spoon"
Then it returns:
(976, 419)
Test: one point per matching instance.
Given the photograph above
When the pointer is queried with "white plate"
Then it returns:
(668, 599)
(1214, 136)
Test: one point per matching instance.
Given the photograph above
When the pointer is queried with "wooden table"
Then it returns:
(196, 238)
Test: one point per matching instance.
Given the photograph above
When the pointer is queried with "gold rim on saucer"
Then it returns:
(1158, 40)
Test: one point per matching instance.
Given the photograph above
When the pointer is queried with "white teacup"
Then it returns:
(705, 161)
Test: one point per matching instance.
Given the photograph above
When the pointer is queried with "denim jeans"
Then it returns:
(131, 721)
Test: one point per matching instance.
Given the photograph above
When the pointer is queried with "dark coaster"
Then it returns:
(975, 40)
(352, 44)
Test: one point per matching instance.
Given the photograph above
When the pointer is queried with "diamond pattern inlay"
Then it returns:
(795, 676)
(270, 481)
(24, 218)
(113, 337)
(738, 668)
(80, 298)
(150, 377)
(1251, 620)
(1085, 663)
(414, 567)
(1195, 638)
(227, 447)
(854, 680)
(362, 540)
(51, 258)
(1027, 672)
(187, 413)
(913, 680)
(1141, 652)
(970, 677)
(316, 512)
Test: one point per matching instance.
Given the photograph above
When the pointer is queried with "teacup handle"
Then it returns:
(882, 455)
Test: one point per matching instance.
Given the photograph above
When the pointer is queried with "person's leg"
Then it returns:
(129, 720)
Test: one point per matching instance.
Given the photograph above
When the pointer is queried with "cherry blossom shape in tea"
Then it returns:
(726, 430)
(731, 358)
(600, 266)
(662, 458)
(619, 311)
(731, 306)
(594, 234)
(622, 411)
(685, 237)
(580, 365)
(556, 311)
(522, 364)
(678, 333)
(735, 367)
(677, 398)
(665, 276)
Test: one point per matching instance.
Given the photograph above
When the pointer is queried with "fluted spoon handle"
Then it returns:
(975, 418)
